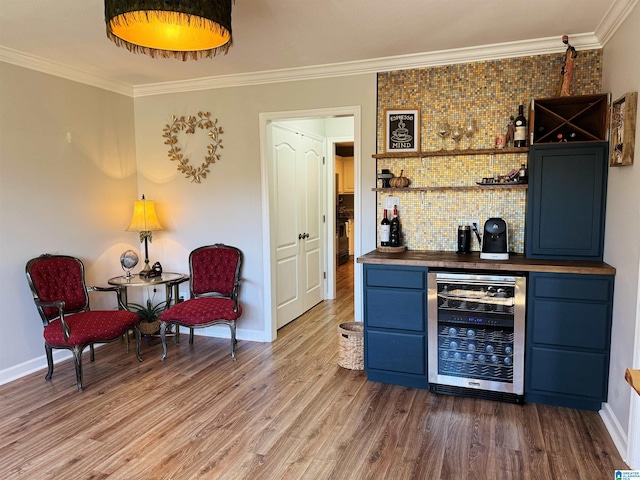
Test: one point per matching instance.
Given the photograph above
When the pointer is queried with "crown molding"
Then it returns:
(541, 46)
(614, 17)
(421, 60)
(31, 62)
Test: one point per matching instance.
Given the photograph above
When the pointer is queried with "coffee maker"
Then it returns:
(495, 240)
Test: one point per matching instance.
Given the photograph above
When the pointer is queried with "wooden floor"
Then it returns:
(283, 410)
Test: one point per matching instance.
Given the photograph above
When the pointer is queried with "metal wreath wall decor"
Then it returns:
(189, 125)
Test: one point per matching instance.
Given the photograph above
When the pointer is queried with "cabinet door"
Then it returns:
(568, 339)
(566, 201)
(395, 323)
(348, 183)
(339, 174)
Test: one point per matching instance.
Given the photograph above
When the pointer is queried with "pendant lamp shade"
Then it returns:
(184, 29)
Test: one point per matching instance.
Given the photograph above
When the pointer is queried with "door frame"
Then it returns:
(268, 257)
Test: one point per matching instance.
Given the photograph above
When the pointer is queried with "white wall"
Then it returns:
(67, 185)
(621, 74)
(227, 206)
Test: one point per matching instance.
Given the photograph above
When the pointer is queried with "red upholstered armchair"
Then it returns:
(61, 297)
(214, 284)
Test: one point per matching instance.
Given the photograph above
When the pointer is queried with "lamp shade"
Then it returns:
(170, 28)
(144, 217)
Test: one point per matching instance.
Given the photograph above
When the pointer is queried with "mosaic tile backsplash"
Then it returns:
(490, 92)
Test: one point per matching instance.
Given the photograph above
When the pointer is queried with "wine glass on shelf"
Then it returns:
(470, 129)
(444, 129)
(456, 135)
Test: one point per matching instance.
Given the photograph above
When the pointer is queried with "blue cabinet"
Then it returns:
(567, 339)
(566, 201)
(395, 324)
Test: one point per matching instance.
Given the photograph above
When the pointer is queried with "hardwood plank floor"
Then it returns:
(284, 410)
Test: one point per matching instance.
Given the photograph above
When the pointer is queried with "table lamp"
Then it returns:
(145, 221)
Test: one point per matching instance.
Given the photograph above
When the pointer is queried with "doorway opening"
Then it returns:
(335, 126)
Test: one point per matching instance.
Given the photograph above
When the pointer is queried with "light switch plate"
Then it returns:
(391, 201)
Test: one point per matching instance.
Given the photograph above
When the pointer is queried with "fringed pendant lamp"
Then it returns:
(183, 29)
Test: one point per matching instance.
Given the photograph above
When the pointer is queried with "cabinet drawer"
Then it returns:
(397, 352)
(571, 324)
(596, 288)
(567, 372)
(395, 277)
(397, 309)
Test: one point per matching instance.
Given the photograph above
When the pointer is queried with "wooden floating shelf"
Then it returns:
(516, 186)
(452, 153)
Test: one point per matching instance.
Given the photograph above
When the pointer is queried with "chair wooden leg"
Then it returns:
(232, 326)
(163, 336)
(49, 351)
(92, 355)
(190, 336)
(138, 335)
(77, 356)
(126, 339)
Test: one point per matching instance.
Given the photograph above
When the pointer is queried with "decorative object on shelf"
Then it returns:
(400, 181)
(511, 131)
(145, 221)
(128, 260)
(564, 89)
(470, 129)
(444, 130)
(386, 177)
(189, 125)
(456, 135)
(402, 130)
(623, 130)
(170, 29)
(511, 178)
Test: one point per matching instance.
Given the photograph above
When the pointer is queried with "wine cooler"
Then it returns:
(476, 335)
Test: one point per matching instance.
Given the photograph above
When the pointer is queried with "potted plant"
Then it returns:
(149, 313)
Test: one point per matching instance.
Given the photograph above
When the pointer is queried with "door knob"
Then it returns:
(300, 236)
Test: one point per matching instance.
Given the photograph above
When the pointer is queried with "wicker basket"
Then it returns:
(351, 345)
(149, 328)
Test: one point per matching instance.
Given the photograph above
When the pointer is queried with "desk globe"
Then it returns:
(128, 260)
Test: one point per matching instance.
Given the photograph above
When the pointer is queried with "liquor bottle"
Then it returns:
(385, 227)
(520, 136)
(394, 231)
(522, 174)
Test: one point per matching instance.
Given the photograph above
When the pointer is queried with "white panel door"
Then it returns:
(312, 155)
(297, 222)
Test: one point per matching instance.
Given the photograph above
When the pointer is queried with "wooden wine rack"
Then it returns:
(581, 118)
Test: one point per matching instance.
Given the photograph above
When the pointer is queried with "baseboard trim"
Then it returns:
(40, 363)
(615, 430)
(30, 366)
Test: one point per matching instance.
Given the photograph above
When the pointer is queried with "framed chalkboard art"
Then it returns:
(401, 130)
(623, 130)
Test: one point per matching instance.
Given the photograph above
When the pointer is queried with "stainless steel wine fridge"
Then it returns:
(476, 335)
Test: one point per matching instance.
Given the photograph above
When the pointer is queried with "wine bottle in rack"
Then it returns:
(385, 228)
(394, 230)
(520, 135)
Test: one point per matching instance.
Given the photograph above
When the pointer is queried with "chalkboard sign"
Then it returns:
(402, 130)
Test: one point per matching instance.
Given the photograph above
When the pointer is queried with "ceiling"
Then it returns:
(278, 39)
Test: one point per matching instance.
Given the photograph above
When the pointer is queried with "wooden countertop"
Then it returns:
(472, 261)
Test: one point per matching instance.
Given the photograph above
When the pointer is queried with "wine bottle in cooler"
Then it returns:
(385, 230)
(520, 135)
(394, 230)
